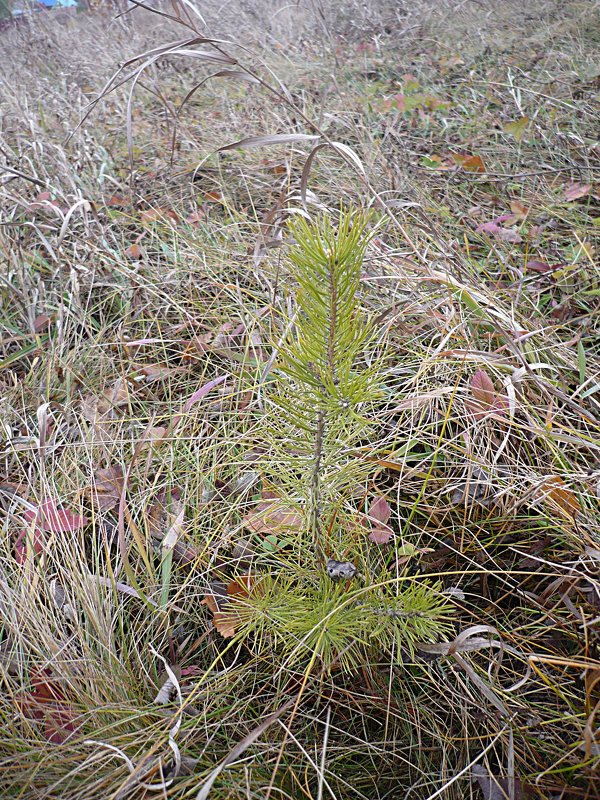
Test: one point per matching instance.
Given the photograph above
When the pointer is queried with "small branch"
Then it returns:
(315, 482)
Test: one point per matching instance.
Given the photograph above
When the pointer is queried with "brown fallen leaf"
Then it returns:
(156, 372)
(469, 163)
(273, 516)
(96, 409)
(135, 252)
(42, 322)
(151, 215)
(108, 486)
(560, 497)
(117, 201)
(576, 191)
(222, 603)
(47, 703)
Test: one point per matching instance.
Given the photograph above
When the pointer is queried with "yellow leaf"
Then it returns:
(560, 497)
(517, 128)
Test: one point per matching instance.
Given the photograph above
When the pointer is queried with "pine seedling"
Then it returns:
(328, 380)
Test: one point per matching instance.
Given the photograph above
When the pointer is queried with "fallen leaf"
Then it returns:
(196, 217)
(41, 322)
(576, 191)
(151, 215)
(380, 510)
(496, 788)
(494, 228)
(273, 516)
(376, 521)
(482, 387)
(42, 202)
(519, 209)
(469, 163)
(517, 128)
(108, 487)
(36, 539)
(509, 235)
(221, 602)
(156, 372)
(117, 201)
(561, 497)
(51, 519)
(216, 599)
(538, 266)
(46, 702)
(381, 535)
(225, 623)
(486, 399)
(95, 408)
(46, 518)
(135, 252)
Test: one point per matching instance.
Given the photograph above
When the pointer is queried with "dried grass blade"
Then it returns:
(268, 139)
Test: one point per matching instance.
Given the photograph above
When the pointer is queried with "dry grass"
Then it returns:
(123, 293)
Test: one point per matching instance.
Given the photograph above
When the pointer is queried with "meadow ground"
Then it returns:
(167, 495)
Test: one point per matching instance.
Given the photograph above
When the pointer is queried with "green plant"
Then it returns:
(327, 381)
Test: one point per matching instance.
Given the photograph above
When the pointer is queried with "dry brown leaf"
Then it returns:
(469, 163)
(225, 623)
(108, 487)
(576, 191)
(151, 215)
(560, 497)
(272, 516)
(135, 252)
(219, 601)
(107, 405)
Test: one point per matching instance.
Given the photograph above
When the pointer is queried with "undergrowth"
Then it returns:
(299, 502)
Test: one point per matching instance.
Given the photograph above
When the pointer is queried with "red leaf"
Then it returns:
(487, 400)
(381, 535)
(380, 510)
(576, 191)
(482, 388)
(21, 545)
(377, 518)
(196, 217)
(51, 519)
(41, 322)
(538, 266)
(47, 702)
(493, 228)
